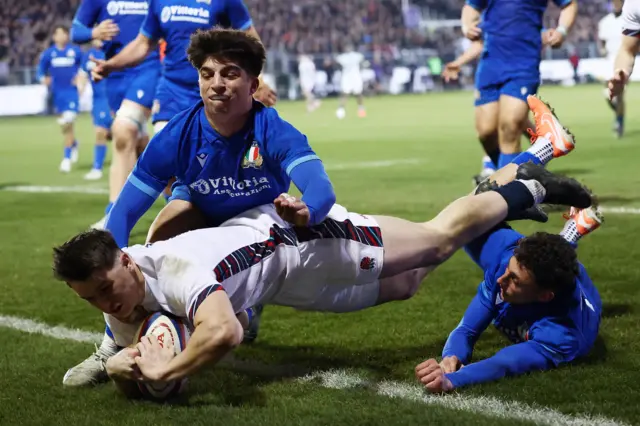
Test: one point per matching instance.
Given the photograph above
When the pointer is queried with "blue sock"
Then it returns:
(67, 152)
(506, 159)
(620, 120)
(99, 153)
(487, 163)
(74, 144)
(525, 157)
(108, 209)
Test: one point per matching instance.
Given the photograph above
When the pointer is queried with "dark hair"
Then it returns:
(82, 255)
(228, 45)
(550, 259)
(61, 27)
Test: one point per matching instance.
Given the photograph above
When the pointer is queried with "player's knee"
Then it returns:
(66, 120)
(511, 128)
(125, 136)
(134, 114)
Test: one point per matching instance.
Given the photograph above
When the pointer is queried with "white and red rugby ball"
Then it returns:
(165, 328)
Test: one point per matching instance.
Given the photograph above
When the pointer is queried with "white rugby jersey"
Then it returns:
(631, 18)
(251, 257)
(350, 63)
(610, 31)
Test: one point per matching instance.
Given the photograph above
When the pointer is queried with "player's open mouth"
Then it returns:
(218, 98)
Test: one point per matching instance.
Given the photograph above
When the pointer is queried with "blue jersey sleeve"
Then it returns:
(510, 361)
(562, 3)
(87, 14)
(151, 28)
(476, 319)
(557, 338)
(477, 4)
(43, 65)
(238, 14)
(488, 249)
(156, 166)
(317, 192)
(80, 33)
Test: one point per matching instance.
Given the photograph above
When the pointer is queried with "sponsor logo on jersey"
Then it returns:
(229, 186)
(252, 158)
(127, 8)
(177, 13)
(62, 61)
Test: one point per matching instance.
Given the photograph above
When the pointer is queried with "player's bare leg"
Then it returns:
(411, 246)
(341, 112)
(68, 138)
(513, 116)
(486, 117)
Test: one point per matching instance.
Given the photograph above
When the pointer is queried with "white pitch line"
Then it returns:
(373, 164)
(620, 210)
(79, 189)
(342, 379)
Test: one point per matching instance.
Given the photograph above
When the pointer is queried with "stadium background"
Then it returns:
(409, 157)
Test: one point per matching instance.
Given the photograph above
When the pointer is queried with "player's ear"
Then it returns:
(126, 261)
(255, 83)
(547, 296)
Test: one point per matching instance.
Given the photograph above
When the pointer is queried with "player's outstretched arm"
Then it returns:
(510, 361)
(217, 332)
(157, 164)
(471, 19)
(452, 69)
(476, 319)
(132, 54)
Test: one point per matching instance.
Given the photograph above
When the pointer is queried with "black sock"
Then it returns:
(495, 156)
(517, 196)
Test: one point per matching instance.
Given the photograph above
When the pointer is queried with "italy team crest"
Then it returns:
(252, 158)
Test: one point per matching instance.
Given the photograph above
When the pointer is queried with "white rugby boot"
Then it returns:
(92, 370)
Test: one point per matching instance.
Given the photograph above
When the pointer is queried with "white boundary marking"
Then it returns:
(620, 210)
(342, 379)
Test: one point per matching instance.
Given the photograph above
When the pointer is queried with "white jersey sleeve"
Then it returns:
(631, 18)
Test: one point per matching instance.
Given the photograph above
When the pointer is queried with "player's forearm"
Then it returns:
(131, 204)
(459, 344)
(626, 57)
(316, 188)
(568, 17)
(510, 361)
(470, 17)
(80, 33)
(132, 54)
(208, 345)
(471, 54)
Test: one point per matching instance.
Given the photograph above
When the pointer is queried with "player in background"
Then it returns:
(229, 154)
(610, 39)
(536, 293)
(630, 45)
(131, 91)
(489, 143)
(307, 73)
(345, 263)
(351, 80)
(174, 22)
(100, 111)
(58, 70)
(509, 68)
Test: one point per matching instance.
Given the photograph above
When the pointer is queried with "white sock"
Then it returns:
(108, 346)
(542, 149)
(570, 231)
(535, 188)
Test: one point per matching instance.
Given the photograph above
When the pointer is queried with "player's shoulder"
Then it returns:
(180, 124)
(269, 126)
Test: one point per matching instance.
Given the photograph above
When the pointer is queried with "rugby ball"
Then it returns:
(165, 328)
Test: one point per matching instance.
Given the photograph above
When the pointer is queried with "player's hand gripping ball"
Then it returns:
(171, 334)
